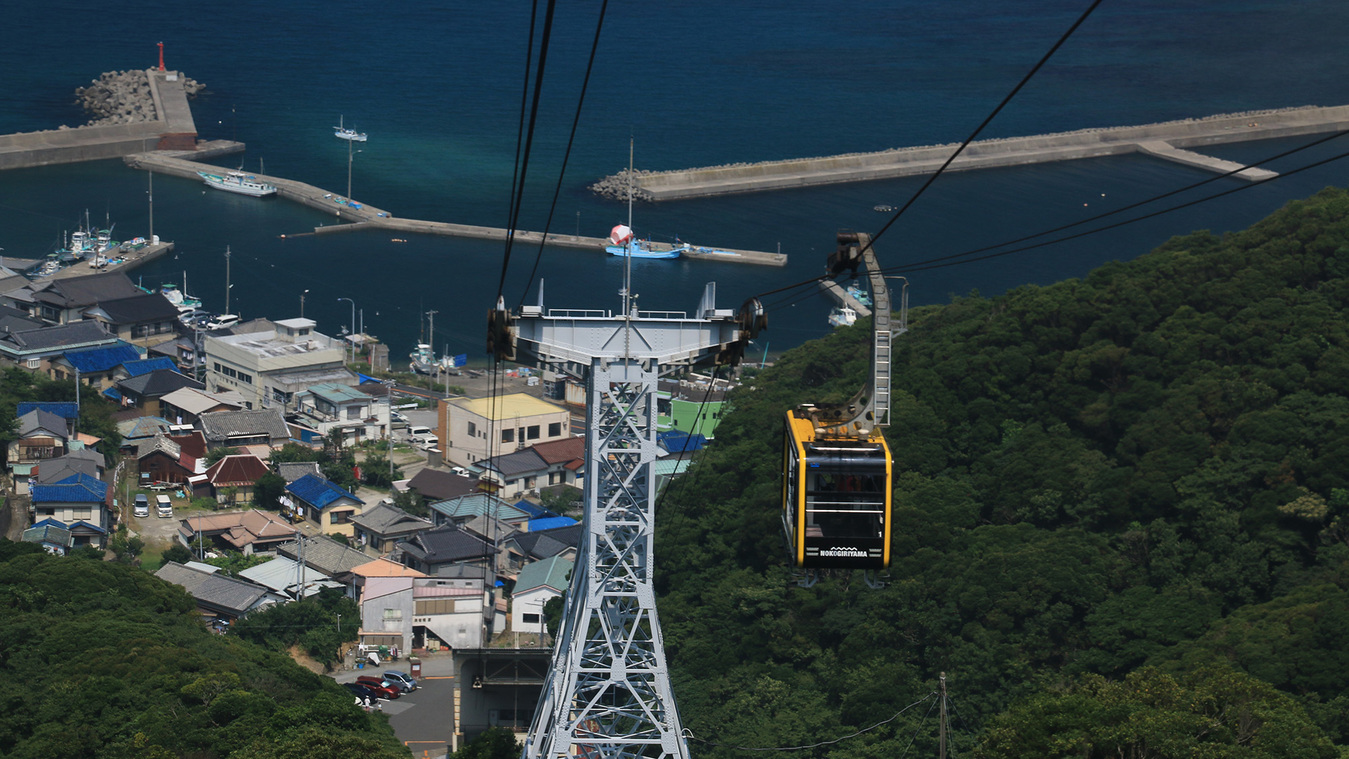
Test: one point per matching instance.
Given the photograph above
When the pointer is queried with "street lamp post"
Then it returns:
(353, 322)
(350, 155)
(306, 292)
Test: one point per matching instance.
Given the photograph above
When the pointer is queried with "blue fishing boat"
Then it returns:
(622, 241)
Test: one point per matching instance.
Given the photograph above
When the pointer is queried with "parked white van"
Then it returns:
(163, 506)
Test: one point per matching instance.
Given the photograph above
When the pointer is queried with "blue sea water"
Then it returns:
(438, 89)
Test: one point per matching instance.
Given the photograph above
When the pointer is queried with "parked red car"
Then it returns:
(381, 687)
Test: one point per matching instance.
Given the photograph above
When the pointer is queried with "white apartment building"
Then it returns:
(269, 368)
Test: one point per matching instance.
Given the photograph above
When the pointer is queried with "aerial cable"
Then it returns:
(571, 139)
(688, 734)
(519, 183)
(1024, 81)
(966, 256)
(943, 263)
(933, 177)
(914, 736)
(1146, 201)
(520, 134)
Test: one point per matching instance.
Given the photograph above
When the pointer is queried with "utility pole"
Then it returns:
(227, 279)
(608, 691)
(941, 736)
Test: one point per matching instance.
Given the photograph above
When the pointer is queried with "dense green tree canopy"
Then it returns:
(1144, 467)
(114, 662)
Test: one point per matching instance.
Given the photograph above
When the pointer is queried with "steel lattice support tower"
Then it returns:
(608, 690)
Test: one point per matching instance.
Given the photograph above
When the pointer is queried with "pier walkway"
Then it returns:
(841, 296)
(1164, 140)
(353, 216)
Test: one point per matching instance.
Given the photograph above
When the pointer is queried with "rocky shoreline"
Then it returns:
(123, 97)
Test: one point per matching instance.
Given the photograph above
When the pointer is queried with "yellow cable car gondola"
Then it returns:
(836, 496)
(837, 479)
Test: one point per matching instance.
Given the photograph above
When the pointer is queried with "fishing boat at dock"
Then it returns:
(238, 182)
(424, 360)
(622, 241)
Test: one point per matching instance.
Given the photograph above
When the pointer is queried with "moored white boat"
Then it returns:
(423, 360)
(842, 316)
(238, 182)
(342, 133)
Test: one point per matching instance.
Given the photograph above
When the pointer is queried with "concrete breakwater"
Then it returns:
(1162, 140)
(164, 121)
(125, 97)
(352, 216)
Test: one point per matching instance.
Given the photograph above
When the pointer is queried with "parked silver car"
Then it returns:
(402, 678)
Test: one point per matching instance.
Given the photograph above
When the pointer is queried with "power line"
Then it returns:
(571, 139)
(944, 262)
(1154, 199)
(690, 736)
(1024, 81)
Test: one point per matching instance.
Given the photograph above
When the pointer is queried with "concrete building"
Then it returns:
(269, 369)
(514, 421)
(332, 406)
(425, 612)
(538, 583)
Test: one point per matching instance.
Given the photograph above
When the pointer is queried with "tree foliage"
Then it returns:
(116, 663)
(1143, 467)
(320, 624)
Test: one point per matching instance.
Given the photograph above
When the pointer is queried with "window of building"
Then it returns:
(82, 513)
(472, 429)
(508, 436)
(555, 429)
(340, 517)
(533, 432)
(530, 619)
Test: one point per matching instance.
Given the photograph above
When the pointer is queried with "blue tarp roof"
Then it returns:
(550, 523)
(318, 491)
(534, 512)
(677, 441)
(147, 365)
(102, 359)
(77, 488)
(63, 410)
(113, 393)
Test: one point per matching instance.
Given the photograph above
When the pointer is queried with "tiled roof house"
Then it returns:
(325, 504)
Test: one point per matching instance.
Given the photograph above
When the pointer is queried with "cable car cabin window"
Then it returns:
(844, 504)
(836, 499)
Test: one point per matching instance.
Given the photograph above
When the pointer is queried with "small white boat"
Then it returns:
(238, 182)
(856, 292)
(842, 316)
(423, 360)
(342, 133)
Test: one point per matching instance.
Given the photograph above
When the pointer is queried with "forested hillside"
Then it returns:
(100, 659)
(1121, 523)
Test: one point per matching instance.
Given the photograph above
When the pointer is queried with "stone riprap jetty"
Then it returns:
(125, 97)
(126, 118)
(1166, 140)
(354, 216)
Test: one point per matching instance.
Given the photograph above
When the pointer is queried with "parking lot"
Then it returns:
(424, 718)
